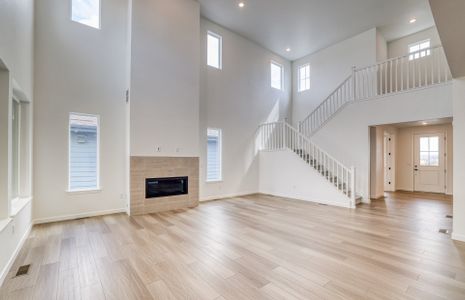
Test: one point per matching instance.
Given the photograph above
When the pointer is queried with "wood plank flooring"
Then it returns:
(254, 247)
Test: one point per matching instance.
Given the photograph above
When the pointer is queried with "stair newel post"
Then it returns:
(354, 83)
(352, 186)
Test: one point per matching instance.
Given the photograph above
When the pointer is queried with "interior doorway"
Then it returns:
(413, 157)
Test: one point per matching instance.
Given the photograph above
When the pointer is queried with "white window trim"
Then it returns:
(299, 87)
(98, 188)
(220, 179)
(282, 75)
(220, 50)
(18, 179)
(99, 15)
(427, 50)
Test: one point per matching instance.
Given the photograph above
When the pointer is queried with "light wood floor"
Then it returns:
(255, 247)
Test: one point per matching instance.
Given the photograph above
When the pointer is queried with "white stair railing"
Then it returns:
(342, 95)
(280, 135)
(424, 68)
(419, 69)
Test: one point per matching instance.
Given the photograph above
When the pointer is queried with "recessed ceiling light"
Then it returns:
(288, 49)
(412, 20)
(241, 4)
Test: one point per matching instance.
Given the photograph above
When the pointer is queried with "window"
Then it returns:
(16, 138)
(83, 152)
(304, 78)
(429, 151)
(214, 50)
(86, 12)
(276, 76)
(213, 155)
(420, 49)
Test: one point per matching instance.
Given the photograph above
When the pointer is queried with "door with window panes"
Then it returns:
(429, 163)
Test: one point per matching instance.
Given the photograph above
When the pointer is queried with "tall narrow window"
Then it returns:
(16, 138)
(83, 152)
(304, 77)
(420, 49)
(86, 12)
(214, 50)
(276, 76)
(214, 155)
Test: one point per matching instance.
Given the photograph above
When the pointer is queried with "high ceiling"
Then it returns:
(307, 26)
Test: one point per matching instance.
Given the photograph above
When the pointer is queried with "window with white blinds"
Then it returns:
(83, 152)
(213, 155)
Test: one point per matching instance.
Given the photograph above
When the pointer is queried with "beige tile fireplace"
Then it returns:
(162, 167)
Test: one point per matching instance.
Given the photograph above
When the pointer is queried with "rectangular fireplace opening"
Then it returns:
(165, 187)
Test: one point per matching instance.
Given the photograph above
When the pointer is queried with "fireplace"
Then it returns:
(165, 187)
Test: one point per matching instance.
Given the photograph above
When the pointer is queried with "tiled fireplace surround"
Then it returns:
(158, 167)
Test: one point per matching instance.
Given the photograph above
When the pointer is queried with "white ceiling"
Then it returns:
(307, 26)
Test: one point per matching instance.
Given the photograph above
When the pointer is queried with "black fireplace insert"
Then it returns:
(165, 187)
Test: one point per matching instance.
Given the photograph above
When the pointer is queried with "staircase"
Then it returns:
(416, 70)
(279, 136)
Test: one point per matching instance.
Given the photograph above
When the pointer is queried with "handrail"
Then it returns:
(276, 136)
(398, 57)
(330, 95)
(423, 68)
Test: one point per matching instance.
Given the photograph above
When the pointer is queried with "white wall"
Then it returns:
(165, 78)
(284, 174)
(376, 162)
(237, 99)
(328, 69)
(459, 160)
(381, 47)
(79, 69)
(16, 68)
(16, 41)
(405, 148)
(399, 47)
(346, 136)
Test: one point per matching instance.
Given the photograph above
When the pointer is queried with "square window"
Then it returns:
(86, 12)
(276, 76)
(214, 50)
(304, 78)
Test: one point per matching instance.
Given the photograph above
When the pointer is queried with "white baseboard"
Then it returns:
(219, 197)
(12, 259)
(82, 215)
(458, 237)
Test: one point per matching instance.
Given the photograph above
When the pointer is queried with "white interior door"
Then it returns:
(429, 163)
(388, 164)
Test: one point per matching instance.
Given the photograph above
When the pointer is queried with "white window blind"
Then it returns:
(214, 155)
(83, 152)
(304, 78)
(214, 50)
(86, 12)
(276, 76)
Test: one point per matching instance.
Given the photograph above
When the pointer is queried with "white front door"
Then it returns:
(429, 175)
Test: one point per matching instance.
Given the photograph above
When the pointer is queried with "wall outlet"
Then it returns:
(13, 229)
(178, 150)
(158, 149)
